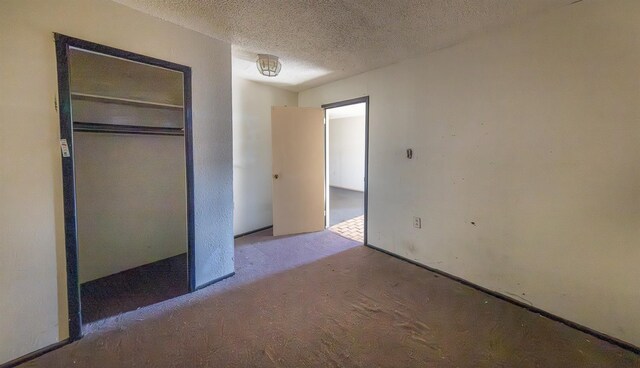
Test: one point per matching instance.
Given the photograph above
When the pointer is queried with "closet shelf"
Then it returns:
(79, 126)
(124, 101)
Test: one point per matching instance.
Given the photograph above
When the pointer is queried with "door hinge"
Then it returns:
(55, 103)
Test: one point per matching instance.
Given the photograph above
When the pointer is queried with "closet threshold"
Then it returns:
(79, 126)
(124, 101)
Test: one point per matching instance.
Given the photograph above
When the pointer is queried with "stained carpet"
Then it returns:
(320, 300)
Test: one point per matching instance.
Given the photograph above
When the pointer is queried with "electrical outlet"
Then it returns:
(417, 222)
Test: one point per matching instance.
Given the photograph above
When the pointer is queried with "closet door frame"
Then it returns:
(63, 43)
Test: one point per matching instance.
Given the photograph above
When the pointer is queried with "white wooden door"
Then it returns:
(298, 169)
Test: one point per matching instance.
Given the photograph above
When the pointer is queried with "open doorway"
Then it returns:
(302, 186)
(125, 123)
(346, 132)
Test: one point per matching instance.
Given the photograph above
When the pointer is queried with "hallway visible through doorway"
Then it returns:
(345, 204)
(346, 169)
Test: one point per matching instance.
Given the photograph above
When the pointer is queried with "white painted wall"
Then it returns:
(252, 151)
(346, 152)
(131, 201)
(531, 132)
(32, 263)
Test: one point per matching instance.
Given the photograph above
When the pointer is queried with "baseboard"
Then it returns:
(252, 232)
(602, 336)
(34, 354)
(214, 281)
(345, 188)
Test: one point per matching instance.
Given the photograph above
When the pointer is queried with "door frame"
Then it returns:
(63, 44)
(352, 101)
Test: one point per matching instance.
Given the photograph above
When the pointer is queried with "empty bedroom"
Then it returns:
(341, 183)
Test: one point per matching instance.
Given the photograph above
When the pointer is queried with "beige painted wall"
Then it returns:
(532, 132)
(32, 265)
(346, 152)
(252, 151)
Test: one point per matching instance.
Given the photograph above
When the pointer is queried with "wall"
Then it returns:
(131, 201)
(252, 151)
(32, 263)
(346, 152)
(525, 168)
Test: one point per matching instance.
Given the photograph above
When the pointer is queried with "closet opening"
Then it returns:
(127, 163)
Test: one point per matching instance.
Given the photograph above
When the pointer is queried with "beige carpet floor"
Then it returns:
(320, 300)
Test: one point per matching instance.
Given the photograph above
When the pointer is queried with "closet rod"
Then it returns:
(125, 129)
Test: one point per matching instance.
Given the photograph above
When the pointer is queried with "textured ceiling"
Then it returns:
(320, 41)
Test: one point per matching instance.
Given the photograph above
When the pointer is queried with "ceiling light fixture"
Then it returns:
(268, 65)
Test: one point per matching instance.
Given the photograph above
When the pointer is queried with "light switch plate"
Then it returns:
(417, 222)
(64, 147)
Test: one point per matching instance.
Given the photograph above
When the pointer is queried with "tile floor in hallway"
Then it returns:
(351, 229)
